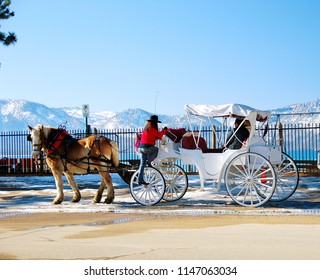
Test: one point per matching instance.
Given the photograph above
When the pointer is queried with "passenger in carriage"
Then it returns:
(147, 146)
(237, 136)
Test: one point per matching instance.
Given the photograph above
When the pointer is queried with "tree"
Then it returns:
(5, 13)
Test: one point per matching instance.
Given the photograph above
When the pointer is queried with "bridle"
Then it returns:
(37, 146)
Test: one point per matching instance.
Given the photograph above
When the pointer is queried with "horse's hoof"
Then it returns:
(57, 201)
(108, 200)
(76, 199)
(97, 199)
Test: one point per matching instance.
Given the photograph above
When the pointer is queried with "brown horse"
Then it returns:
(66, 155)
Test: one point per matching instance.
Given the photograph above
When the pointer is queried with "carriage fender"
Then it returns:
(194, 157)
(168, 151)
(191, 156)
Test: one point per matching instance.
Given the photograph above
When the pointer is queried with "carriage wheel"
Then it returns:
(149, 194)
(176, 181)
(287, 178)
(250, 179)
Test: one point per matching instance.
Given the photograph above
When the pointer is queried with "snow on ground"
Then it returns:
(34, 194)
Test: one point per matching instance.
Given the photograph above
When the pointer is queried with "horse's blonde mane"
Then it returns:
(44, 128)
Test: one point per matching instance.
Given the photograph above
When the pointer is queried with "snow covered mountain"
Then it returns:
(299, 113)
(17, 114)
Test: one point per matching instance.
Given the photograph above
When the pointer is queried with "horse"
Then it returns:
(66, 155)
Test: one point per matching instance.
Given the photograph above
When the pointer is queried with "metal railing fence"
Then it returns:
(300, 141)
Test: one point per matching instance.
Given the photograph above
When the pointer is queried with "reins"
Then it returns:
(86, 159)
(62, 136)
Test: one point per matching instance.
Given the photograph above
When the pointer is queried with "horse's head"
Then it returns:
(37, 139)
(46, 138)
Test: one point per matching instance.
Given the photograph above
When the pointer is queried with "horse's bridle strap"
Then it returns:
(36, 147)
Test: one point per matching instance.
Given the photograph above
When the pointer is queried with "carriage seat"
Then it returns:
(175, 134)
(189, 143)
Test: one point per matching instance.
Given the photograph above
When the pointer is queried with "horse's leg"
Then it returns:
(76, 193)
(105, 181)
(59, 185)
(110, 189)
(98, 196)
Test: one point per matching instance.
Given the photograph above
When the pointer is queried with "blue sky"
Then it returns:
(158, 55)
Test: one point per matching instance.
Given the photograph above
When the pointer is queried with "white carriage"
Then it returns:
(255, 173)
(252, 175)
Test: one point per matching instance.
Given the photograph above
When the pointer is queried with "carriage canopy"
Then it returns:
(227, 110)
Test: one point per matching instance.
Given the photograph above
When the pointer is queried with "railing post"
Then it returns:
(280, 134)
(214, 137)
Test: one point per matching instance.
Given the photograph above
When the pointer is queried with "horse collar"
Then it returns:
(56, 142)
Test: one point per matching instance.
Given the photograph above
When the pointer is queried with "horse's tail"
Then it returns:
(114, 153)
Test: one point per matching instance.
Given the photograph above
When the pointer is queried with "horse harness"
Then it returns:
(62, 140)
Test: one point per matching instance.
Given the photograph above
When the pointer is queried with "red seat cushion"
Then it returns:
(189, 143)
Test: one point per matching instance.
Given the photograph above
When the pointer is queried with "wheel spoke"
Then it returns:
(250, 179)
(151, 193)
(176, 181)
(287, 179)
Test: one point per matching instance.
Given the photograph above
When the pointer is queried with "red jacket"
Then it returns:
(151, 135)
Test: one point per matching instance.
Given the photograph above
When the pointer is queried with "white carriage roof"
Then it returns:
(233, 110)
